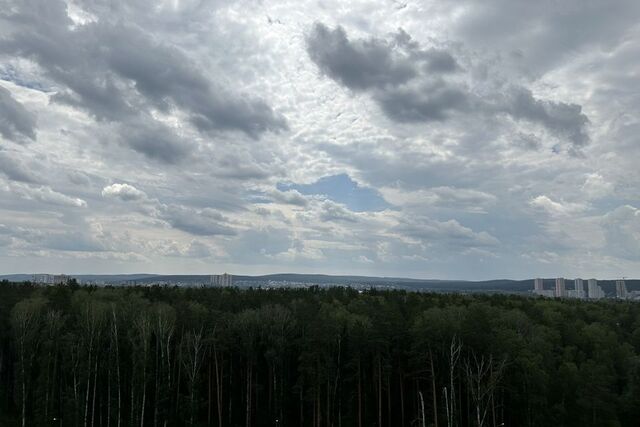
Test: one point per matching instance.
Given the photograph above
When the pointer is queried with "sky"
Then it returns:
(431, 139)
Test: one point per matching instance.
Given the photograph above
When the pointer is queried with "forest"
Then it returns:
(320, 357)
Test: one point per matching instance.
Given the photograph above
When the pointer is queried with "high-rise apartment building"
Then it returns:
(594, 291)
(561, 290)
(578, 286)
(621, 289)
(221, 280)
(538, 284)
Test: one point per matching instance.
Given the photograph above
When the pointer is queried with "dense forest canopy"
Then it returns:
(168, 356)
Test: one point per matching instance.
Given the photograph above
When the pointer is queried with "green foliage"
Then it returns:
(165, 356)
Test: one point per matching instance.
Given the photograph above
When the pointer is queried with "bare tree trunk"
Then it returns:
(108, 394)
(328, 405)
(132, 409)
(117, 347)
(218, 386)
(156, 387)
(359, 393)
(447, 406)
(379, 390)
(388, 400)
(433, 389)
(93, 399)
(248, 397)
(86, 400)
(402, 420)
(454, 355)
(301, 406)
(24, 385)
(144, 392)
(424, 420)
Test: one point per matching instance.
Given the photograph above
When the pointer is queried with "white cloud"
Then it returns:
(556, 208)
(595, 186)
(46, 194)
(124, 192)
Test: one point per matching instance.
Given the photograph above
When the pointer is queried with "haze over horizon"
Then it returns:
(428, 139)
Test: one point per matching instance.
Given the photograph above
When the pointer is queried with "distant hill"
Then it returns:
(107, 278)
(434, 285)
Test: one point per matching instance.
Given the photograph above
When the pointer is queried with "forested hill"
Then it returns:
(324, 280)
(187, 356)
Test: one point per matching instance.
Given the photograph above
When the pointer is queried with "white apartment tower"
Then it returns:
(621, 289)
(222, 280)
(594, 291)
(538, 285)
(561, 290)
(579, 288)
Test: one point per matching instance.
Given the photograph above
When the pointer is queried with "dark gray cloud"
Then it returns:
(15, 169)
(566, 120)
(440, 61)
(114, 70)
(434, 101)
(412, 84)
(16, 122)
(359, 65)
(385, 68)
(199, 222)
(164, 75)
(155, 141)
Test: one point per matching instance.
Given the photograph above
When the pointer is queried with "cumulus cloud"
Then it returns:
(16, 122)
(124, 192)
(553, 207)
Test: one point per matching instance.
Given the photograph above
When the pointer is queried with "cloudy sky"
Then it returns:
(433, 139)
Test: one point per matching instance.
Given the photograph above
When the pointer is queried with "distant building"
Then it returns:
(594, 291)
(221, 280)
(538, 284)
(43, 279)
(548, 293)
(561, 290)
(61, 279)
(538, 289)
(621, 289)
(578, 289)
(572, 293)
(51, 279)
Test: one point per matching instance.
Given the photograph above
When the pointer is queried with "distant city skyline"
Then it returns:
(435, 139)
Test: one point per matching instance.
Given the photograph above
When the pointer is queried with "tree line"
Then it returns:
(168, 356)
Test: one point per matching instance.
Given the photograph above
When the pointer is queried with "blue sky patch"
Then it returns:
(342, 189)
